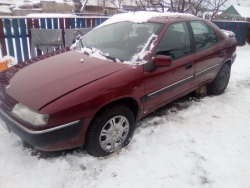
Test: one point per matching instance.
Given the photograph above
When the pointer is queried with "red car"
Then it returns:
(93, 93)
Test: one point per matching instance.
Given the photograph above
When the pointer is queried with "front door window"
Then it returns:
(175, 42)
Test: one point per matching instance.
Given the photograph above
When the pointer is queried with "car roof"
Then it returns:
(171, 17)
(145, 16)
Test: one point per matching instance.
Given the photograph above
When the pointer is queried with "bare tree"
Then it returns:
(215, 5)
(198, 6)
(142, 4)
(182, 6)
(79, 5)
(152, 4)
(117, 3)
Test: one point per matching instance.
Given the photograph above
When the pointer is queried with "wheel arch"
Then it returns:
(228, 62)
(130, 102)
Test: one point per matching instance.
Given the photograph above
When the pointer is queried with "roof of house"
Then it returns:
(243, 11)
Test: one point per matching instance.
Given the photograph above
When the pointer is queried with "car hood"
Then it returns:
(42, 82)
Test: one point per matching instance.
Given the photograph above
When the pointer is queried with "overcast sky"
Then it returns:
(242, 2)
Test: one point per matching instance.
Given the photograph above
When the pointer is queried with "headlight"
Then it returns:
(30, 116)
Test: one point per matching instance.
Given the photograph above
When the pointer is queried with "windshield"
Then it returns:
(120, 40)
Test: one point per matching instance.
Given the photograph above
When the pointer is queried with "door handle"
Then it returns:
(189, 65)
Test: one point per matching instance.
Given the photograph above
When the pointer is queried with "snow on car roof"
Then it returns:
(140, 16)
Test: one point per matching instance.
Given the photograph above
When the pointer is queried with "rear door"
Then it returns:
(208, 55)
(163, 84)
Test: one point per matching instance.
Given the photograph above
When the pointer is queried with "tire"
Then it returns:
(220, 83)
(105, 135)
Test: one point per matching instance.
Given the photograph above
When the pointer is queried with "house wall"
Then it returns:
(57, 7)
(24, 12)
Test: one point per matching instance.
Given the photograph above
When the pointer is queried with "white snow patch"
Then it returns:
(93, 52)
(5, 9)
(228, 33)
(12, 61)
(138, 58)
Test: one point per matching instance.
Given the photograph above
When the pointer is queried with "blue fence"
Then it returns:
(241, 29)
(15, 35)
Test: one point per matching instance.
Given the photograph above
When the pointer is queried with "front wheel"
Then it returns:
(110, 130)
(219, 84)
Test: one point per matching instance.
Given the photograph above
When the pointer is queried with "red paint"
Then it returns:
(162, 61)
(93, 22)
(228, 26)
(88, 21)
(247, 33)
(240, 32)
(221, 24)
(235, 27)
(61, 23)
(67, 23)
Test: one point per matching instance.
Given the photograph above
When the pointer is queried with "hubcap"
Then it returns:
(114, 133)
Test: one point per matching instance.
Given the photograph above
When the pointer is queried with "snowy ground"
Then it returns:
(201, 144)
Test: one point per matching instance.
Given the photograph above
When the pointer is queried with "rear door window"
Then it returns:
(204, 36)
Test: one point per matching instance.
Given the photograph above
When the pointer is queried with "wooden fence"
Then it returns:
(15, 34)
(240, 28)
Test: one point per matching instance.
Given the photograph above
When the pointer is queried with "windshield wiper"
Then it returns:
(109, 57)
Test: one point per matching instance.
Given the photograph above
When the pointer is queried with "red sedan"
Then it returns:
(93, 93)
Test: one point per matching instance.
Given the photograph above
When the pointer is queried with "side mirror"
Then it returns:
(162, 61)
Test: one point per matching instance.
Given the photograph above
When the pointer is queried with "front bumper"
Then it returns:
(43, 138)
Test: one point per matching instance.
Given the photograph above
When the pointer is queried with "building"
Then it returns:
(237, 10)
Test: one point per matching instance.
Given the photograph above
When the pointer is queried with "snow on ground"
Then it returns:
(203, 144)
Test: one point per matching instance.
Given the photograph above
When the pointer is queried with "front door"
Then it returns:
(163, 84)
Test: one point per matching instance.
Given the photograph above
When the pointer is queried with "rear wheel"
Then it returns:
(111, 129)
(220, 83)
